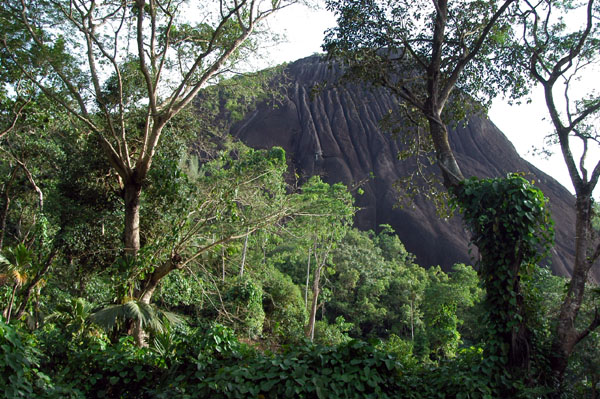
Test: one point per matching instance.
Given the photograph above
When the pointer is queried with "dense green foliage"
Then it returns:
(512, 229)
(242, 284)
(248, 242)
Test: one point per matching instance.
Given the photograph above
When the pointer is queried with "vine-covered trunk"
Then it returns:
(511, 226)
(504, 302)
(518, 339)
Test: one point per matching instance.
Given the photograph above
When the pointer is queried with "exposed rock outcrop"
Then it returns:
(336, 133)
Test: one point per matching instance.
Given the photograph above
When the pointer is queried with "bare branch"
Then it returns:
(32, 182)
(16, 116)
(591, 327)
(65, 79)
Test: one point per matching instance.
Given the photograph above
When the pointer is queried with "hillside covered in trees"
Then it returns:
(335, 132)
(145, 252)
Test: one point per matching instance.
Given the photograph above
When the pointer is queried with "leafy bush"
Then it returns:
(243, 299)
(353, 370)
(179, 290)
(285, 313)
(100, 370)
(332, 334)
(211, 363)
(401, 348)
(465, 376)
(16, 373)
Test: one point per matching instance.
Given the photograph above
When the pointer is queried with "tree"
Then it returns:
(362, 278)
(426, 53)
(142, 58)
(444, 296)
(561, 55)
(438, 58)
(324, 213)
(237, 194)
(124, 70)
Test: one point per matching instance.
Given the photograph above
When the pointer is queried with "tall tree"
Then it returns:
(561, 44)
(423, 52)
(426, 53)
(437, 57)
(323, 216)
(104, 60)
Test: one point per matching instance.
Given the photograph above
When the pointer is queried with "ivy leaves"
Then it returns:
(506, 216)
(512, 228)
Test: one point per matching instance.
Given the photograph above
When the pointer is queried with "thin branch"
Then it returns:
(582, 160)
(462, 63)
(567, 60)
(15, 119)
(591, 327)
(32, 182)
(66, 81)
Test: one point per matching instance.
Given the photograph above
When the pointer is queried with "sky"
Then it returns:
(525, 125)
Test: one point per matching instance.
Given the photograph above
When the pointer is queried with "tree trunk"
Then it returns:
(310, 330)
(8, 310)
(145, 296)
(566, 334)
(412, 320)
(223, 263)
(132, 192)
(244, 253)
(307, 279)
(6, 207)
(451, 173)
(140, 336)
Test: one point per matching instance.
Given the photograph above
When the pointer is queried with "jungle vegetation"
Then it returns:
(146, 254)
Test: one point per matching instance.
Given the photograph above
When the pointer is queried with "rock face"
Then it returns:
(336, 134)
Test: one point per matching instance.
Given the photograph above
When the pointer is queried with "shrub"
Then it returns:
(333, 334)
(285, 313)
(16, 365)
(243, 299)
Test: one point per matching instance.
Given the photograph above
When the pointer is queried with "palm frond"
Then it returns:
(13, 276)
(144, 314)
(18, 257)
(148, 316)
(109, 317)
(172, 318)
(22, 256)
